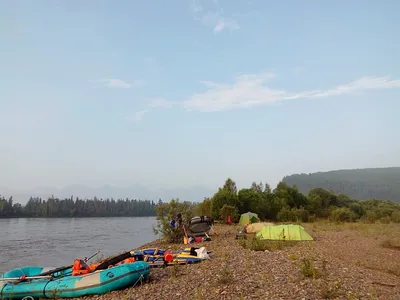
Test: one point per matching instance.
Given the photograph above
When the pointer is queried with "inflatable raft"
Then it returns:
(95, 283)
(158, 257)
(157, 251)
(180, 259)
(33, 271)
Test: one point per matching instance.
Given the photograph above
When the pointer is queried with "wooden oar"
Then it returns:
(66, 267)
(23, 278)
(184, 230)
(113, 260)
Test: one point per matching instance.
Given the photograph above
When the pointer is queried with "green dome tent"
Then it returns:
(284, 232)
(248, 218)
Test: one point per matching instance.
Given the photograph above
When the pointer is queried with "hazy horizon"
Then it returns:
(185, 94)
(133, 191)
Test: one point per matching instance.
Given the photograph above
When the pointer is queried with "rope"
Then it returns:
(141, 277)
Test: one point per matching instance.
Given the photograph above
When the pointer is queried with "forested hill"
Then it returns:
(55, 208)
(377, 183)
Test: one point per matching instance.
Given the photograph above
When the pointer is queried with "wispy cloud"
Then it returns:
(118, 83)
(217, 20)
(252, 90)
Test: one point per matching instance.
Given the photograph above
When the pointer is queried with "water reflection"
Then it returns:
(56, 242)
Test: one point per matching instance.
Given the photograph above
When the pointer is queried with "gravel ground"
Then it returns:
(347, 262)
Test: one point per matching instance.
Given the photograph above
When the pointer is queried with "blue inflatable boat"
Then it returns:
(63, 285)
(157, 257)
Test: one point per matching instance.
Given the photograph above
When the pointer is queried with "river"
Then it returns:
(57, 242)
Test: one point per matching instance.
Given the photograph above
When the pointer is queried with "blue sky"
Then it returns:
(181, 93)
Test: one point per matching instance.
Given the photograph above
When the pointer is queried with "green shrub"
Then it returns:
(166, 212)
(370, 216)
(343, 214)
(396, 217)
(229, 211)
(308, 269)
(385, 220)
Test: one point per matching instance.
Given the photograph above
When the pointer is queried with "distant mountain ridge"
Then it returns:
(378, 183)
(135, 191)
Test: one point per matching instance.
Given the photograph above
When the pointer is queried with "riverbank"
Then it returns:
(349, 261)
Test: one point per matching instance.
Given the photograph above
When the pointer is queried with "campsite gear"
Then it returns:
(156, 262)
(158, 257)
(172, 223)
(160, 252)
(200, 224)
(60, 269)
(167, 259)
(184, 230)
(168, 256)
(288, 232)
(95, 283)
(202, 253)
(80, 268)
(186, 239)
(248, 218)
(212, 230)
(113, 260)
(201, 219)
(240, 235)
(256, 227)
(229, 220)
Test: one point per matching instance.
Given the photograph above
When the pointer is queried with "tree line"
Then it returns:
(287, 204)
(68, 207)
(377, 183)
(283, 204)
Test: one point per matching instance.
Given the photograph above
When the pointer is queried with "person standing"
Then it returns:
(178, 221)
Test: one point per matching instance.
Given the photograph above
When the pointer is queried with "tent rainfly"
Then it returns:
(248, 218)
(288, 232)
(256, 227)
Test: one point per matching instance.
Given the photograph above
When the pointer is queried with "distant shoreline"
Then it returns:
(67, 217)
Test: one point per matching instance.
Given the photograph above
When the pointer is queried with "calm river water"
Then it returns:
(57, 242)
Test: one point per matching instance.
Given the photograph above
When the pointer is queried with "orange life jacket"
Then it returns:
(128, 260)
(80, 268)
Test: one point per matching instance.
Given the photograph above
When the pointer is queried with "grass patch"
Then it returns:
(225, 275)
(292, 257)
(198, 295)
(174, 271)
(394, 270)
(369, 228)
(391, 244)
(308, 269)
(330, 290)
(257, 244)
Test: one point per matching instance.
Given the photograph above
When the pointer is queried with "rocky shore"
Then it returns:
(350, 261)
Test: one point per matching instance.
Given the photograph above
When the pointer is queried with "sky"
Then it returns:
(187, 93)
